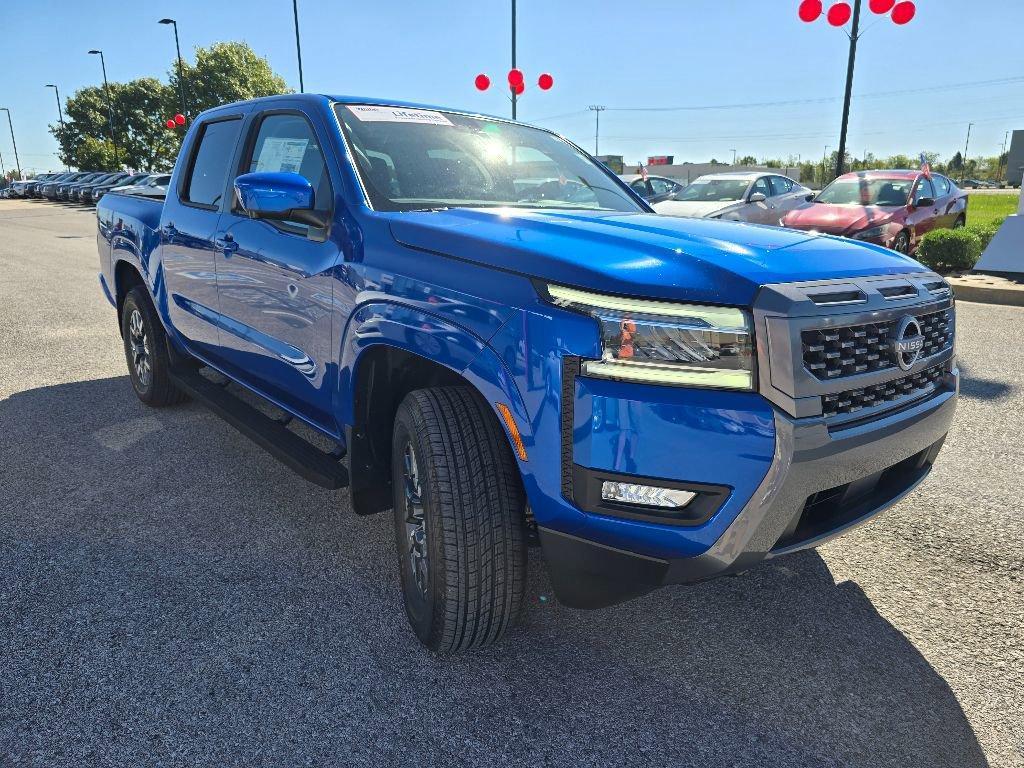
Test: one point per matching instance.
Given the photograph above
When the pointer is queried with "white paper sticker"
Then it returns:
(376, 114)
(281, 155)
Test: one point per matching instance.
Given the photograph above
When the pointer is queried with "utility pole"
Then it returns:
(110, 105)
(298, 45)
(181, 73)
(999, 171)
(597, 109)
(963, 168)
(17, 162)
(854, 37)
(514, 96)
(824, 164)
(60, 112)
(733, 156)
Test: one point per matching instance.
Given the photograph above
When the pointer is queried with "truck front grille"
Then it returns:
(854, 400)
(831, 353)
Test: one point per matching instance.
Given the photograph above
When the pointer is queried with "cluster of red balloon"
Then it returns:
(839, 13)
(176, 121)
(516, 82)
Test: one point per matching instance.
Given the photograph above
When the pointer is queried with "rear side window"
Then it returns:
(782, 185)
(208, 176)
(941, 185)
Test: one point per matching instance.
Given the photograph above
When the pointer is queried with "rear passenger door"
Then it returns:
(944, 201)
(188, 225)
(275, 279)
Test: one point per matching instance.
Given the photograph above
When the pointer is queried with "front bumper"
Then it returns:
(820, 484)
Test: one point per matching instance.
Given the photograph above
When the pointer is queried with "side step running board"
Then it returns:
(268, 433)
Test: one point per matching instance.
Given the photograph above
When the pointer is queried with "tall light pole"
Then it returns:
(298, 45)
(597, 109)
(824, 164)
(11, 126)
(733, 156)
(963, 167)
(515, 96)
(110, 105)
(854, 37)
(181, 71)
(999, 171)
(60, 112)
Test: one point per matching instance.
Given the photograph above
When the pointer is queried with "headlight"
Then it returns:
(660, 342)
(867, 234)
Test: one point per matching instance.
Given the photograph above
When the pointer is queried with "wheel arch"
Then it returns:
(384, 357)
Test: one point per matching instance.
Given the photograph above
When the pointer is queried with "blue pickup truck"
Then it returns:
(471, 323)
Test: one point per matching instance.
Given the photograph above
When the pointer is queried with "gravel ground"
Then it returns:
(170, 595)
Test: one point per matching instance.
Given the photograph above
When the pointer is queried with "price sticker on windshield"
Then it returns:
(376, 114)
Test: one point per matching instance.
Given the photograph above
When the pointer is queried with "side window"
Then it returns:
(924, 189)
(761, 185)
(286, 143)
(941, 185)
(661, 186)
(781, 185)
(209, 171)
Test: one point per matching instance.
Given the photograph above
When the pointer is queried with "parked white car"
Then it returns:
(757, 197)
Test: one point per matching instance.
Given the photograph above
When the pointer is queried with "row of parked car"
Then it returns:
(89, 186)
(894, 208)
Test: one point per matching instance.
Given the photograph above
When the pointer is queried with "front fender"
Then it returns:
(434, 339)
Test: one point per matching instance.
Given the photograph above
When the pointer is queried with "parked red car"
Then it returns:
(891, 208)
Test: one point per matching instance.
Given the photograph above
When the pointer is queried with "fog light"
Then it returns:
(648, 495)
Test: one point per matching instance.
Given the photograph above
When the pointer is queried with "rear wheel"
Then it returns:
(960, 222)
(145, 351)
(459, 520)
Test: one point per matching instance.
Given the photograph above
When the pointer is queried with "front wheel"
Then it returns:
(902, 243)
(459, 520)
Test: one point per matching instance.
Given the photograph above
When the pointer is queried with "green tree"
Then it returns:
(227, 72)
(222, 73)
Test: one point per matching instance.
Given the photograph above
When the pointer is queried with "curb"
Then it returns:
(988, 290)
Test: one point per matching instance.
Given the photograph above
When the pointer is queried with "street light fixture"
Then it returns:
(17, 162)
(181, 75)
(110, 105)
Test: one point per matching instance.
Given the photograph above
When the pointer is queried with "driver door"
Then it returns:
(923, 219)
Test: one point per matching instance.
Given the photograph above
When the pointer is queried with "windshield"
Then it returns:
(714, 190)
(885, 192)
(414, 159)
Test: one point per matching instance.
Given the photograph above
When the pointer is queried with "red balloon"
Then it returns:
(810, 10)
(482, 82)
(903, 12)
(179, 119)
(839, 14)
(881, 6)
(515, 77)
(518, 89)
(170, 124)
(545, 81)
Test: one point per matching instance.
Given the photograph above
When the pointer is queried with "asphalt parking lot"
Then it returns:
(170, 595)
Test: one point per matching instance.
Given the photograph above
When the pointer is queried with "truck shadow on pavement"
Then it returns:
(172, 593)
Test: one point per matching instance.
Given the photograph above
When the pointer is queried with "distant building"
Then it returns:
(1015, 162)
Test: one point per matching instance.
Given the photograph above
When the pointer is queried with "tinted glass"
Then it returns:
(941, 185)
(924, 189)
(209, 175)
(761, 185)
(410, 159)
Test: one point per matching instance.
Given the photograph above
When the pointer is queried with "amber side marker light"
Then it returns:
(513, 430)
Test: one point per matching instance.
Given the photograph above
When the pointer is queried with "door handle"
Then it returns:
(225, 243)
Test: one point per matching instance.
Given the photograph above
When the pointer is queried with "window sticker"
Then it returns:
(375, 114)
(281, 155)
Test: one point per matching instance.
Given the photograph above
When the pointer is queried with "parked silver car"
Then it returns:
(757, 197)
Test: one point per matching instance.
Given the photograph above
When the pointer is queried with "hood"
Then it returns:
(839, 219)
(641, 254)
(693, 208)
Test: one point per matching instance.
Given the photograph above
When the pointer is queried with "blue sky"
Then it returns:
(641, 53)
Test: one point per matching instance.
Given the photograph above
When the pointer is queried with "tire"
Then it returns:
(459, 520)
(902, 243)
(960, 222)
(146, 351)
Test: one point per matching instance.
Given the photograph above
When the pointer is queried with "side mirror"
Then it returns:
(924, 202)
(757, 197)
(810, 198)
(279, 197)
